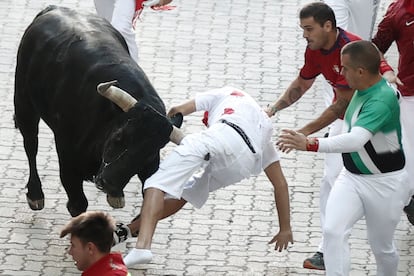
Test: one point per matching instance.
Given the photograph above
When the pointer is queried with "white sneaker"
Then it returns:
(138, 256)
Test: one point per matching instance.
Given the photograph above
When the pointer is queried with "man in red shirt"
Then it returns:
(91, 238)
(322, 56)
(398, 25)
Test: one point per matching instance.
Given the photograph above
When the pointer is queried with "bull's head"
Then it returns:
(132, 146)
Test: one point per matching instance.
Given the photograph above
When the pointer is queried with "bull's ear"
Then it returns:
(177, 119)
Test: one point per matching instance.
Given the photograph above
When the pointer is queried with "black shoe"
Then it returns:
(121, 233)
(409, 211)
(315, 262)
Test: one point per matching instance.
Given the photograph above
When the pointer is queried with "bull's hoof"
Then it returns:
(74, 212)
(115, 202)
(37, 204)
(77, 207)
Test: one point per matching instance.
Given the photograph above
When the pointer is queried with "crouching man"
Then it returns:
(236, 145)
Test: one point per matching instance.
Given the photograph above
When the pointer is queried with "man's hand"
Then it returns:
(290, 139)
(156, 3)
(174, 110)
(185, 108)
(392, 78)
(270, 110)
(282, 240)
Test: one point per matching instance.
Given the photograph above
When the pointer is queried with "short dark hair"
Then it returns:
(363, 54)
(320, 12)
(92, 226)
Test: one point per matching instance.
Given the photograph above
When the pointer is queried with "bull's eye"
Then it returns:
(114, 147)
(117, 143)
(118, 136)
(109, 159)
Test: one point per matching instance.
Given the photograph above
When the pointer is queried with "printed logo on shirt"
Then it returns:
(113, 265)
(408, 23)
(336, 69)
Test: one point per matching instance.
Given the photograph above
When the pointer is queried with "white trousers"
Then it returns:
(120, 13)
(358, 17)
(380, 198)
(407, 123)
(185, 173)
(333, 165)
(355, 16)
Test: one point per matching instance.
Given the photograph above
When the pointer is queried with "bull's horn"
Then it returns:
(116, 95)
(176, 135)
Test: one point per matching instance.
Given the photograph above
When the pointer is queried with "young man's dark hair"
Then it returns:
(320, 12)
(91, 238)
(96, 227)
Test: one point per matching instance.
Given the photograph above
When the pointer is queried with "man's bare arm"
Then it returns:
(281, 196)
(293, 93)
(333, 112)
(185, 108)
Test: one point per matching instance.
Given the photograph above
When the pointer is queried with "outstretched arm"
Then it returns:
(156, 3)
(333, 112)
(281, 195)
(185, 108)
(346, 142)
(293, 93)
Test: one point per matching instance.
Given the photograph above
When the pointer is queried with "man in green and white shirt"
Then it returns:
(375, 110)
(373, 182)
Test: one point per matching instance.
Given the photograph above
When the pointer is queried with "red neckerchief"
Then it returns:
(139, 7)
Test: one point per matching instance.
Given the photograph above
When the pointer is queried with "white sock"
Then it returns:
(138, 256)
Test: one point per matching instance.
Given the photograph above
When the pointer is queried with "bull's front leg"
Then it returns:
(72, 180)
(73, 184)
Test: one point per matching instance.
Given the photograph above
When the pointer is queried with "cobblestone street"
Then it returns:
(199, 45)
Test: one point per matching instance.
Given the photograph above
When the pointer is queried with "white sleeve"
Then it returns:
(347, 142)
(207, 100)
(270, 155)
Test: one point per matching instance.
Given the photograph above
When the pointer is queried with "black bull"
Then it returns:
(62, 58)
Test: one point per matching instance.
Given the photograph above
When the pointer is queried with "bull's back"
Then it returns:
(64, 34)
(61, 58)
